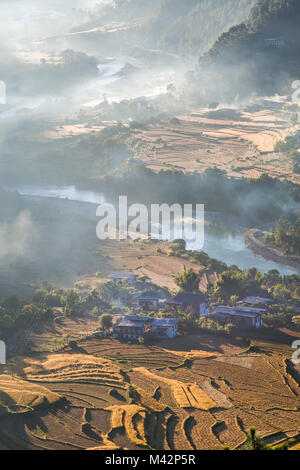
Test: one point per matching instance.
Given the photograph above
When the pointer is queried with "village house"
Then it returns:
(197, 304)
(165, 327)
(243, 317)
(135, 327)
(119, 277)
(147, 301)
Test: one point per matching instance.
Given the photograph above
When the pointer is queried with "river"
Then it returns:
(224, 236)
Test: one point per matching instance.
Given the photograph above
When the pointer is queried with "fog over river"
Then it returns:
(224, 236)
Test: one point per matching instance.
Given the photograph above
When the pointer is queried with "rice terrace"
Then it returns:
(116, 396)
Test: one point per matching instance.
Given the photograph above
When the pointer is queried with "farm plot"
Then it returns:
(50, 429)
(81, 401)
(185, 374)
(228, 428)
(70, 427)
(155, 387)
(187, 395)
(131, 419)
(19, 396)
(132, 355)
(248, 419)
(200, 431)
(74, 368)
(285, 421)
(263, 386)
(202, 140)
(88, 395)
(75, 328)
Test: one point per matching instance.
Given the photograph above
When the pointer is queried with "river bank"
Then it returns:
(224, 235)
(254, 240)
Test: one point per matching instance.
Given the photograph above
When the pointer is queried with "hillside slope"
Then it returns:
(246, 62)
(191, 27)
(172, 26)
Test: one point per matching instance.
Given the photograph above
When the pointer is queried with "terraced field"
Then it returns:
(131, 355)
(238, 142)
(114, 396)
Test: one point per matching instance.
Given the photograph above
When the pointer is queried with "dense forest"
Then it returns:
(268, 18)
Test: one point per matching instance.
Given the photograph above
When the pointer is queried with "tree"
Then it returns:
(281, 293)
(29, 313)
(271, 278)
(188, 281)
(234, 300)
(72, 305)
(255, 442)
(39, 296)
(11, 304)
(296, 321)
(297, 293)
(105, 321)
(229, 284)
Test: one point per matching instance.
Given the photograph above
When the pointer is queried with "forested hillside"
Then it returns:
(246, 62)
(267, 19)
(191, 27)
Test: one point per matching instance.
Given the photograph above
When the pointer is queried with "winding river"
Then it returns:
(224, 236)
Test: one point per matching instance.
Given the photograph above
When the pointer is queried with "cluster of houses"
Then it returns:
(246, 314)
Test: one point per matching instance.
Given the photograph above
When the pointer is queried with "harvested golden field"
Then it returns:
(187, 395)
(239, 142)
(264, 385)
(131, 418)
(99, 401)
(131, 355)
(73, 368)
(19, 396)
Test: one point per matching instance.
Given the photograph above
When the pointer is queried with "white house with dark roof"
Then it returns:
(135, 327)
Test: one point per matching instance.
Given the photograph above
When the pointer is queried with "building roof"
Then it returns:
(130, 323)
(186, 298)
(149, 295)
(251, 309)
(238, 311)
(139, 322)
(164, 322)
(122, 276)
(256, 300)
